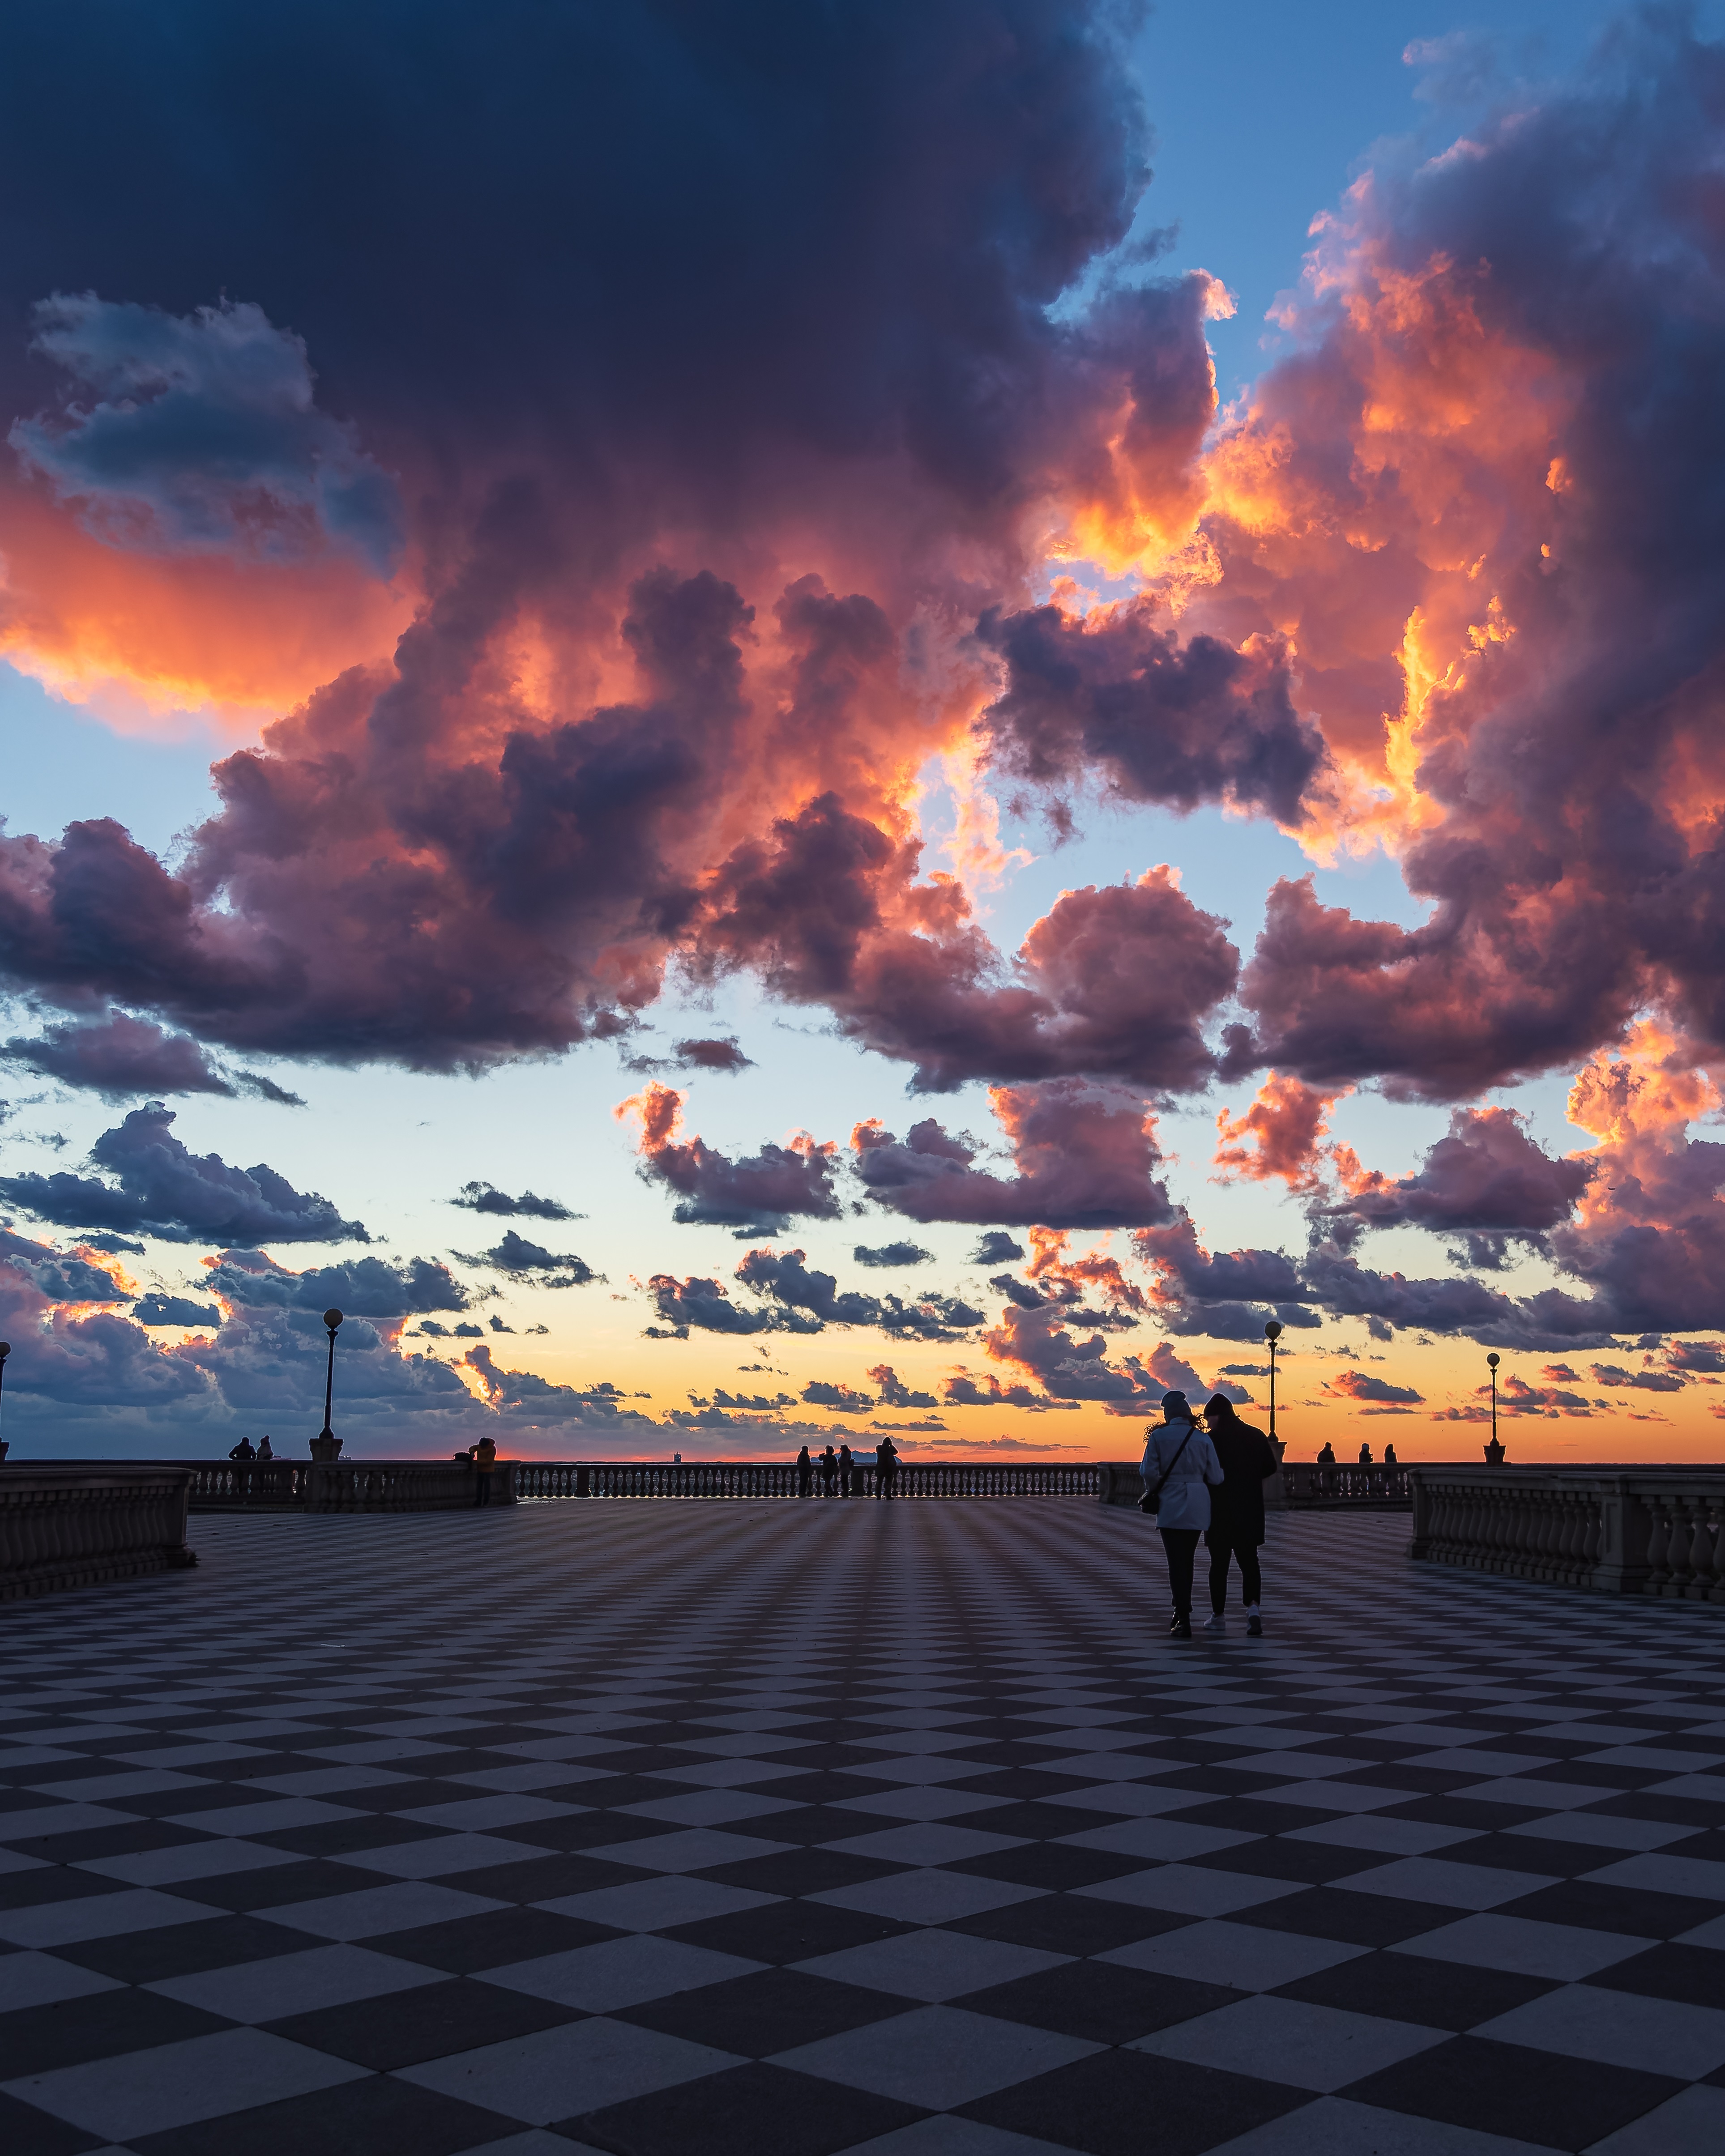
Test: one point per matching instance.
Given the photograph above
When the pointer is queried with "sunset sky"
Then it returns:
(763, 723)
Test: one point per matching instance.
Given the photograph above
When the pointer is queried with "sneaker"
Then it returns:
(1176, 1621)
(1181, 1629)
(1255, 1625)
(1217, 1626)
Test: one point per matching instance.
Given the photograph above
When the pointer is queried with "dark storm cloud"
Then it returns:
(161, 1188)
(203, 435)
(869, 215)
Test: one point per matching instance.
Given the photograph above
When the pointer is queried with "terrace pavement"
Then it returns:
(728, 1827)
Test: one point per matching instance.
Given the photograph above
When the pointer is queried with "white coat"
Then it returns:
(1186, 1495)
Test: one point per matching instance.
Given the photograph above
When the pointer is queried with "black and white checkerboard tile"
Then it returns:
(809, 1827)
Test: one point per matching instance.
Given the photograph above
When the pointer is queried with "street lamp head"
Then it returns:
(1492, 1361)
(332, 1319)
(1272, 1331)
(5, 1349)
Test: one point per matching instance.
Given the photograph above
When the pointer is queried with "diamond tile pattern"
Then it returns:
(717, 1827)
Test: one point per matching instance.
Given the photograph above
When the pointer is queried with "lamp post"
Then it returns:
(1272, 1333)
(326, 1436)
(5, 1350)
(1494, 1450)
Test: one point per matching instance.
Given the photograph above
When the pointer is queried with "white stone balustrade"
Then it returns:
(1618, 1531)
(63, 1526)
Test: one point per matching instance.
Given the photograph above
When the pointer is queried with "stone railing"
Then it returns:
(1626, 1532)
(332, 1485)
(1301, 1486)
(1306, 1485)
(777, 1478)
(79, 1526)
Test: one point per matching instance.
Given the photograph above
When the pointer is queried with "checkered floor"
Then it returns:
(800, 1828)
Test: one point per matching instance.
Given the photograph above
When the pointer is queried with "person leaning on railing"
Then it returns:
(885, 1468)
(484, 1462)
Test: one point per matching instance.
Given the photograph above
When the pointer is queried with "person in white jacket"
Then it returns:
(1180, 1459)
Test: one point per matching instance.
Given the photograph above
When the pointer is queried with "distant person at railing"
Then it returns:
(1326, 1458)
(828, 1469)
(263, 1451)
(1390, 1458)
(847, 1469)
(1236, 1527)
(244, 1450)
(1365, 1455)
(805, 1474)
(885, 1468)
(1179, 1470)
(484, 1461)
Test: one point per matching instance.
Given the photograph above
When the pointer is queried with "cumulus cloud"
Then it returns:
(893, 1391)
(818, 1393)
(997, 1248)
(755, 1196)
(61, 1275)
(1373, 1395)
(1085, 1155)
(892, 1254)
(203, 435)
(161, 1188)
(1114, 695)
(380, 1289)
(1487, 1181)
(530, 1265)
(158, 1309)
(487, 1198)
(783, 1276)
(120, 1056)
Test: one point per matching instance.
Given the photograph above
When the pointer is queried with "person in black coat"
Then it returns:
(805, 1473)
(1236, 1528)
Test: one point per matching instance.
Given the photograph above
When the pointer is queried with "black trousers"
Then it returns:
(1252, 1582)
(482, 1494)
(1180, 1545)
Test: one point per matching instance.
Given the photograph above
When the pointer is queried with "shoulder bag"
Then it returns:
(1151, 1501)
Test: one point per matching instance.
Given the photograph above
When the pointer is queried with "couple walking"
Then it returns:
(1208, 1483)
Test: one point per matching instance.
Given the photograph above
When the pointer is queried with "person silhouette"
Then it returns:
(244, 1450)
(1326, 1458)
(263, 1451)
(885, 1468)
(828, 1467)
(805, 1473)
(1390, 1458)
(847, 1468)
(1236, 1527)
(1365, 1455)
